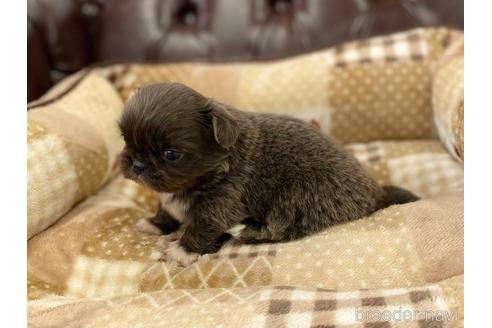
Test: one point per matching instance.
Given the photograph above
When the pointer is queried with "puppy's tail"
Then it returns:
(396, 195)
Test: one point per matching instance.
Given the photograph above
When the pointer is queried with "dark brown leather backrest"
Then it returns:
(67, 35)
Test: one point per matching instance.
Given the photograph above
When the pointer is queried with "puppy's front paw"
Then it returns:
(144, 225)
(175, 252)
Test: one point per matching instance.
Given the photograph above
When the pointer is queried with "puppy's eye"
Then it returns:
(171, 155)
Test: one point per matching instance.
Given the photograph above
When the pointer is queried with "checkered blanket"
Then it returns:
(384, 98)
(275, 306)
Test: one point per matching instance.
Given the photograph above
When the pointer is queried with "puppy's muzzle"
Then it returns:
(138, 167)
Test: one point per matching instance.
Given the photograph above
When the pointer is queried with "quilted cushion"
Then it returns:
(108, 257)
(448, 97)
(72, 148)
(375, 89)
(92, 267)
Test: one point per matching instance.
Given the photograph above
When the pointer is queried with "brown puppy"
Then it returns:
(223, 172)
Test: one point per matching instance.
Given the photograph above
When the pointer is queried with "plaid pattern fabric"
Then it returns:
(385, 49)
(98, 277)
(360, 91)
(421, 167)
(48, 200)
(369, 152)
(277, 306)
(435, 173)
(287, 306)
(71, 152)
(93, 268)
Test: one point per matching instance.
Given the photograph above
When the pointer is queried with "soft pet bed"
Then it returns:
(395, 101)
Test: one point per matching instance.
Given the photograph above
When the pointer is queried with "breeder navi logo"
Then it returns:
(401, 314)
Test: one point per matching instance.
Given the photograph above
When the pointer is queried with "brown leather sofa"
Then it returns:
(67, 35)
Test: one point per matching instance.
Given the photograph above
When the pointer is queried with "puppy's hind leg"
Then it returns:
(278, 228)
(254, 235)
(249, 231)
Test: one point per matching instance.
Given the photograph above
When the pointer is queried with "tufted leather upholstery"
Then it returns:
(66, 35)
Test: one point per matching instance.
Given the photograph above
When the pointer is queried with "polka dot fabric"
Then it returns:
(390, 101)
(39, 289)
(116, 240)
(370, 253)
(90, 168)
(448, 98)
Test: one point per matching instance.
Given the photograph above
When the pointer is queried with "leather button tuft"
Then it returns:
(187, 14)
(89, 9)
(189, 18)
(281, 6)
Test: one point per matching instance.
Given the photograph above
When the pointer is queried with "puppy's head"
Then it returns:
(173, 135)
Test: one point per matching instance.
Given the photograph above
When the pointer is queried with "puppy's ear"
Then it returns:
(224, 125)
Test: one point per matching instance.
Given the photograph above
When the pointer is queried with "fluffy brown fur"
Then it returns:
(222, 172)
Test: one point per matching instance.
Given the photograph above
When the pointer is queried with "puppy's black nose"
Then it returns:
(138, 167)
